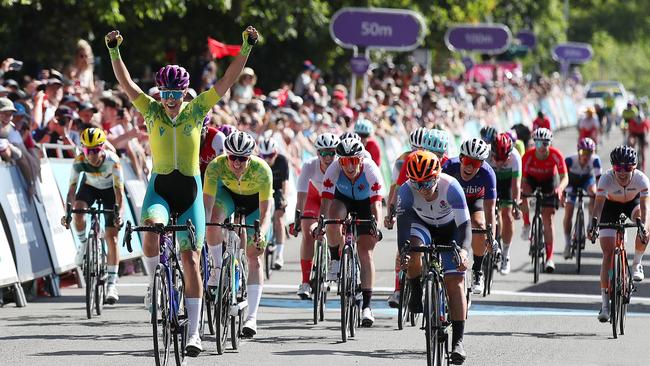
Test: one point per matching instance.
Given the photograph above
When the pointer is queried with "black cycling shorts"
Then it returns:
(360, 207)
(278, 201)
(546, 187)
(612, 210)
(90, 195)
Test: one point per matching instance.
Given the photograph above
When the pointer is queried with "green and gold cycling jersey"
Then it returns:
(175, 143)
(257, 179)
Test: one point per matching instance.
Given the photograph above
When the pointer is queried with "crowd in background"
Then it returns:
(53, 107)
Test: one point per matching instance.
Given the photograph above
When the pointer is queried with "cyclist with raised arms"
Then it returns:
(584, 172)
(310, 188)
(174, 129)
(102, 180)
(279, 164)
(621, 190)
(431, 209)
(506, 163)
(353, 184)
(478, 181)
(543, 167)
(239, 180)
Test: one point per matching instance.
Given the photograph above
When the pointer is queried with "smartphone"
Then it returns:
(16, 65)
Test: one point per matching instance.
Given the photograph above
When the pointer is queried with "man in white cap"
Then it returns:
(10, 139)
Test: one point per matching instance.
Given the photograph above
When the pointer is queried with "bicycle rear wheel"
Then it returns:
(222, 305)
(90, 276)
(344, 289)
(160, 317)
(404, 295)
(615, 293)
(236, 322)
(580, 237)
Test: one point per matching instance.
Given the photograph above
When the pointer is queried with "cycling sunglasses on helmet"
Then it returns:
(173, 94)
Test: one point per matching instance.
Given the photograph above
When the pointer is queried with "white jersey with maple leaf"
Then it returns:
(367, 185)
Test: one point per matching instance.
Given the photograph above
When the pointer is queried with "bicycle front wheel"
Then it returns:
(403, 314)
(615, 293)
(222, 306)
(488, 267)
(101, 271)
(430, 322)
(317, 282)
(580, 238)
(627, 289)
(536, 245)
(160, 317)
(90, 276)
(344, 288)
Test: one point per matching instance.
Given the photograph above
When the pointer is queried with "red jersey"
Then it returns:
(373, 148)
(211, 147)
(543, 170)
(638, 128)
(541, 123)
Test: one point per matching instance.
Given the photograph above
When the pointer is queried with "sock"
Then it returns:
(81, 235)
(478, 263)
(397, 288)
(506, 250)
(367, 296)
(150, 263)
(305, 267)
(638, 257)
(526, 218)
(605, 297)
(216, 252)
(254, 297)
(549, 250)
(457, 329)
(193, 306)
(112, 274)
(334, 253)
(279, 249)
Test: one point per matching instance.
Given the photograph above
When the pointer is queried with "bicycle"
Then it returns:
(318, 278)
(436, 321)
(491, 259)
(231, 299)
(537, 246)
(269, 251)
(168, 313)
(621, 286)
(205, 265)
(579, 236)
(94, 265)
(349, 273)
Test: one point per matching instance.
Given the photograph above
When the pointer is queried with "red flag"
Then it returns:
(221, 50)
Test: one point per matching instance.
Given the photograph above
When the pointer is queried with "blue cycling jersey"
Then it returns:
(481, 186)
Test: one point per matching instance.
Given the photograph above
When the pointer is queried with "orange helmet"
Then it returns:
(423, 166)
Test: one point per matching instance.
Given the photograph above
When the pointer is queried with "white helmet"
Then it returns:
(475, 149)
(326, 141)
(268, 146)
(349, 135)
(417, 137)
(349, 147)
(239, 143)
(543, 134)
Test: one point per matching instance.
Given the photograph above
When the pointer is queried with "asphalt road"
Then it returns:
(550, 323)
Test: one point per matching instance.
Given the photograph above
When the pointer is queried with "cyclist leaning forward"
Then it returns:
(431, 209)
(172, 123)
(506, 163)
(478, 181)
(102, 180)
(353, 184)
(584, 172)
(237, 180)
(621, 190)
(310, 187)
(543, 167)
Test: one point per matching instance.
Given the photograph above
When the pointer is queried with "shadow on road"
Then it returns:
(585, 287)
(134, 353)
(396, 354)
(551, 335)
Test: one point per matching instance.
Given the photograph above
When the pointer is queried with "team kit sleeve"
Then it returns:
(307, 171)
(76, 170)
(265, 182)
(491, 183)
(404, 213)
(330, 179)
(402, 178)
(143, 104)
(211, 178)
(201, 105)
(559, 161)
(525, 162)
(376, 182)
(604, 183)
(645, 184)
(516, 164)
(597, 166)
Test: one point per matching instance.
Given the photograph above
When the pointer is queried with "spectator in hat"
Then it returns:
(242, 91)
(71, 101)
(12, 144)
(87, 113)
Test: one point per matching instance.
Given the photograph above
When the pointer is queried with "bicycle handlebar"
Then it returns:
(299, 217)
(488, 229)
(431, 249)
(159, 229)
(619, 225)
(348, 220)
(90, 210)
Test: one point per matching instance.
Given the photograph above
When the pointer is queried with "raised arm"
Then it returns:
(235, 68)
(113, 40)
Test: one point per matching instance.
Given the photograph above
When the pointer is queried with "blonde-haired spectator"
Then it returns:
(82, 68)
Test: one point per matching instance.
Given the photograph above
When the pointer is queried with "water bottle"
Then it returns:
(236, 275)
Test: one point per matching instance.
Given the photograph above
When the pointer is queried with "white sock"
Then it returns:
(150, 263)
(112, 274)
(81, 235)
(193, 306)
(605, 297)
(638, 257)
(506, 250)
(216, 252)
(254, 297)
(279, 249)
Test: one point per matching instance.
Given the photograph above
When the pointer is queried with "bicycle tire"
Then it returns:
(160, 317)
(404, 296)
(90, 277)
(355, 316)
(627, 293)
(324, 284)
(536, 251)
(236, 322)
(614, 296)
(580, 238)
(101, 270)
(268, 263)
(487, 270)
(344, 288)
(441, 336)
(222, 306)
(430, 316)
(179, 335)
(317, 283)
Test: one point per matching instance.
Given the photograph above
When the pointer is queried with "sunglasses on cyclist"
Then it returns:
(350, 160)
(423, 186)
(540, 143)
(623, 168)
(93, 150)
(326, 153)
(171, 94)
(267, 156)
(243, 159)
(584, 152)
(474, 163)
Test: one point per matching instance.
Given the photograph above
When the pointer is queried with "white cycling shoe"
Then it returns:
(111, 294)
(367, 319)
(193, 347)
(637, 273)
(250, 328)
(304, 291)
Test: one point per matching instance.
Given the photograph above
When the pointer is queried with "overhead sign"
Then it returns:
(572, 52)
(390, 29)
(359, 65)
(484, 38)
(527, 38)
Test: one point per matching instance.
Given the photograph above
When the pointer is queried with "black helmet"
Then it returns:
(623, 155)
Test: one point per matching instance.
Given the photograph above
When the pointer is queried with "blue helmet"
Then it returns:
(436, 141)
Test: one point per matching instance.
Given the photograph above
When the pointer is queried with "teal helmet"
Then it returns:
(436, 141)
(364, 128)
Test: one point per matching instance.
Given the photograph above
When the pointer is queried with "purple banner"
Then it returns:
(484, 38)
(527, 38)
(573, 52)
(359, 65)
(390, 29)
